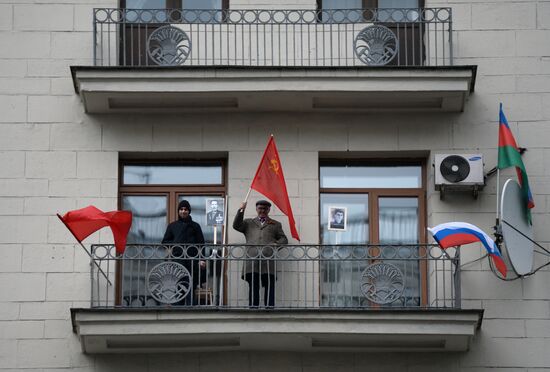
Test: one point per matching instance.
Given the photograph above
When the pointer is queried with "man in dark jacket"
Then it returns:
(262, 231)
(187, 231)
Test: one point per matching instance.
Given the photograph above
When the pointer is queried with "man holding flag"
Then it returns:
(262, 230)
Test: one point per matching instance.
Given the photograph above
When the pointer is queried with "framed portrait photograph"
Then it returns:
(337, 218)
(214, 212)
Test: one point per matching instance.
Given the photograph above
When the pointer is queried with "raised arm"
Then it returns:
(238, 222)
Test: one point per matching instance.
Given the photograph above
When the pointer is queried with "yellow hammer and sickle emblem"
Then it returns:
(274, 166)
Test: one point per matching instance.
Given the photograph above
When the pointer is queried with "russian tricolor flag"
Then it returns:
(453, 234)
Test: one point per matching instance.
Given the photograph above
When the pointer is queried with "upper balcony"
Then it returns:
(169, 60)
(160, 298)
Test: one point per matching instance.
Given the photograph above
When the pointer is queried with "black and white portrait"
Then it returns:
(337, 218)
(214, 212)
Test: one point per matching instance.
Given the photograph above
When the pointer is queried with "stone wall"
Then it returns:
(54, 157)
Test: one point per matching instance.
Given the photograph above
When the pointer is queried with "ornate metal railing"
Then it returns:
(309, 38)
(296, 276)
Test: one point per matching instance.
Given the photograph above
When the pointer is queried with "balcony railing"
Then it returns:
(303, 38)
(365, 277)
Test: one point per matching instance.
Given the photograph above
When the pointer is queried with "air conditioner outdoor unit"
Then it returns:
(459, 172)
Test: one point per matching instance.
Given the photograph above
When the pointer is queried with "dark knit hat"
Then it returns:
(263, 202)
(184, 203)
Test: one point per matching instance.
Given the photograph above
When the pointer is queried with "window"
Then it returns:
(384, 204)
(152, 191)
(143, 17)
(175, 4)
(364, 4)
(402, 17)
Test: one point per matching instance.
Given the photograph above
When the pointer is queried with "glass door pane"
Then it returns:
(145, 4)
(149, 219)
(398, 226)
(344, 222)
(398, 220)
(172, 174)
(355, 208)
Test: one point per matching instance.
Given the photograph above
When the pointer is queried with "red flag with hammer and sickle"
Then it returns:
(270, 181)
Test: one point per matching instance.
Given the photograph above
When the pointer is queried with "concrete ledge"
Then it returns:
(181, 330)
(207, 89)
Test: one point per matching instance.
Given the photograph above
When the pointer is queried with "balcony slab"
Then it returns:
(168, 330)
(249, 89)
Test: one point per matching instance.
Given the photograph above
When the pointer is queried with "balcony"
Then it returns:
(173, 60)
(159, 298)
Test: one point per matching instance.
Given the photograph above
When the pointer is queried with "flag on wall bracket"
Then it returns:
(452, 234)
(510, 156)
(85, 221)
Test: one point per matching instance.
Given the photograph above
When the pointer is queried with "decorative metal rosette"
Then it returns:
(382, 283)
(169, 282)
(376, 45)
(168, 46)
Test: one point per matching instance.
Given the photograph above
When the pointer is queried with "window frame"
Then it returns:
(375, 193)
(175, 4)
(368, 4)
(128, 36)
(373, 208)
(411, 32)
(171, 190)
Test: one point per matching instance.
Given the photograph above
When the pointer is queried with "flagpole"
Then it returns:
(247, 195)
(98, 267)
(498, 196)
(85, 250)
(222, 271)
(498, 172)
(215, 234)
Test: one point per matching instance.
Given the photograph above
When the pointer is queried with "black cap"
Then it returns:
(184, 203)
(263, 202)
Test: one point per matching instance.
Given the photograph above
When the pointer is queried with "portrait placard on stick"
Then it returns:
(215, 212)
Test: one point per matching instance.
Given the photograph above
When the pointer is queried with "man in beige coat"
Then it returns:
(265, 231)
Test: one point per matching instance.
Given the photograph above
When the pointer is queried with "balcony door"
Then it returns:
(143, 17)
(405, 24)
(152, 191)
(384, 206)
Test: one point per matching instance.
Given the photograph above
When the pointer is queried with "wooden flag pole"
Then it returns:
(223, 253)
(247, 195)
(215, 234)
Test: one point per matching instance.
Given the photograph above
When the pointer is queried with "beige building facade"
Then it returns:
(73, 123)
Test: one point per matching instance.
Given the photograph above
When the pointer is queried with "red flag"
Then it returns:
(270, 181)
(83, 222)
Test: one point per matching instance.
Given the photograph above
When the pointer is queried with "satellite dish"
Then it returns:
(516, 229)
(454, 168)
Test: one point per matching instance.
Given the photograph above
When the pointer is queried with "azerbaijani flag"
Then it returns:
(453, 234)
(509, 156)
